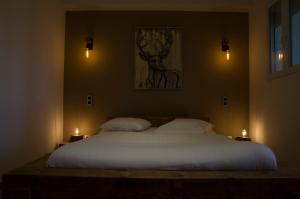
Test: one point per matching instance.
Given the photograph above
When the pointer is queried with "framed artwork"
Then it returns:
(158, 58)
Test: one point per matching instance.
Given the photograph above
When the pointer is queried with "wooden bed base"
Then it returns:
(36, 181)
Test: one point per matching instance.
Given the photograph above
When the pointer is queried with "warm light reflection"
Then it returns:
(257, 132)
(56, 136)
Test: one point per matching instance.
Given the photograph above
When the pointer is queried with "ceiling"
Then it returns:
(187, 5)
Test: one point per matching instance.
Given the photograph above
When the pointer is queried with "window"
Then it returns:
(276, 54)
(284, 32)
(295, 31)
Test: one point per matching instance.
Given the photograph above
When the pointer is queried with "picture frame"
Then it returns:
(158, 58)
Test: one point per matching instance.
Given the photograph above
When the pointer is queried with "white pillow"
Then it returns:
(126, 124)
(186, 126)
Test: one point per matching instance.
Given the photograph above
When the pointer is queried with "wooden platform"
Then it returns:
(36, 181)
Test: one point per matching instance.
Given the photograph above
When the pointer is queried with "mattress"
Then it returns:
(163, 151)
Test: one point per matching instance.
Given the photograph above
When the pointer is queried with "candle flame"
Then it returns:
(244, 133)
(76, 131)
(280, 56)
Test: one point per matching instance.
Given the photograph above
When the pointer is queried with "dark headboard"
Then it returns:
(159, 120)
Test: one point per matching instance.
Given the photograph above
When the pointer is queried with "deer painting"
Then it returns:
(156, 47)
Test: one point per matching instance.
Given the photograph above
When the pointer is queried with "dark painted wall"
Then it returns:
(109, 72)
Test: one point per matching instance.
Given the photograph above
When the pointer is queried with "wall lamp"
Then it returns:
(89, 46)
(225, 48)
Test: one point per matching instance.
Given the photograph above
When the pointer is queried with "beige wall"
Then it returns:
(31, 80)
(109, 73)
(274, 103)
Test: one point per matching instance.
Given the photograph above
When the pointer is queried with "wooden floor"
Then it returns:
(36, 181)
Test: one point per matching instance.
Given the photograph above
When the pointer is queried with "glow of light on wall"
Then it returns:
(257, 132)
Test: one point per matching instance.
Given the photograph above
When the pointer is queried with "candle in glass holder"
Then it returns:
(244, 133)
(76, 136)
(77, 132)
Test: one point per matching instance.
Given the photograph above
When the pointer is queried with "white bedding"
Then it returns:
(153, 150)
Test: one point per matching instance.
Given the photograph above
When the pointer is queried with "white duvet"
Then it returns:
(165, 151)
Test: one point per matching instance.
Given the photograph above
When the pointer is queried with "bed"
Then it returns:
(155, 149)
(114, 174)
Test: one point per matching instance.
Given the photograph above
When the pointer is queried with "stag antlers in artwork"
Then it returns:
(154, 46)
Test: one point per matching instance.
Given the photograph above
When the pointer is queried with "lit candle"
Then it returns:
(280, 56)
(76, 132)
(244, 133)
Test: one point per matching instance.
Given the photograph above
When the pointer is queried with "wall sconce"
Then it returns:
(89, 46)
(225, 48)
